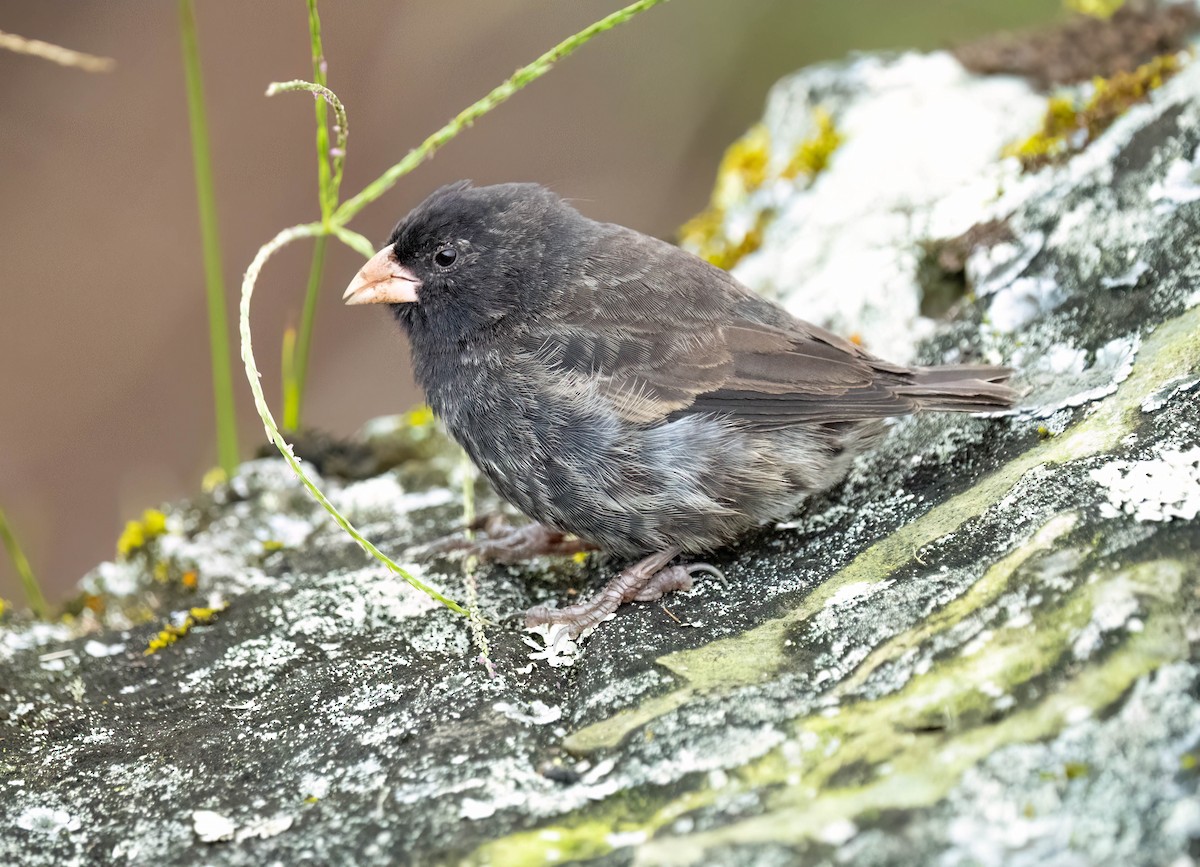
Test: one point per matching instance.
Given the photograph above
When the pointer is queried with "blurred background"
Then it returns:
(105, 390)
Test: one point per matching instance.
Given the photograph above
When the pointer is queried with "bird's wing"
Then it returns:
(660, 333)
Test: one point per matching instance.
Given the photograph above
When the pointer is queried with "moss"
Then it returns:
(213, 479)
(1070, 125)
(137, 533)
(746, 167)
(171, 633)
(743, 169)
(813, 154)
(1095, 8)
(421, 416)
(905, 749)
(1076, 770)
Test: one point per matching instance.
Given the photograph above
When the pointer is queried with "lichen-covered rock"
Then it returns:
(982, 648)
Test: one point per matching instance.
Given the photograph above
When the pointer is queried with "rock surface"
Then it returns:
(981, 649)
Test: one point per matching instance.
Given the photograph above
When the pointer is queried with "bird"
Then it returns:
(624, 394)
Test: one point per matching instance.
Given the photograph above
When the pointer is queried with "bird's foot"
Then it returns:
(504, 543)
(644, 581)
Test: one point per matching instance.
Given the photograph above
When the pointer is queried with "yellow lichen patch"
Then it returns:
(137, 533)
(812, 155)
(421, 416)
(189, 579)
(270, 545)
(744, 168)
(1095, 8)
(580, 556)
(154, 523)
(171, 633)
(3, 607)
(213, 479)
(1070, 125)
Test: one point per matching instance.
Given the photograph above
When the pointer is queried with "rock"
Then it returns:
(981, 648)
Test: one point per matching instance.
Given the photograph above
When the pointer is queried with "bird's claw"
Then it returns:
(644, 581)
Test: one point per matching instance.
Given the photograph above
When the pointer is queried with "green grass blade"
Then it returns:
(295, 379)
(265, 252)
(218, 334)
(33, 591)
(328, 180)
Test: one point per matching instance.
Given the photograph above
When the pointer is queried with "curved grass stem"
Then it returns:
(329, 180)
(287, 236)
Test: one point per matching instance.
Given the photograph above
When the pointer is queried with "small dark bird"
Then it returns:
(618, 389)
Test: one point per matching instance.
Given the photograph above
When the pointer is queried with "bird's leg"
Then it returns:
(644, 581)
(508, 544)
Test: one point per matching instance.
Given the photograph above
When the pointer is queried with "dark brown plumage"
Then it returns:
(617, 388)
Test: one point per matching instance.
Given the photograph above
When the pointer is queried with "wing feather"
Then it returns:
(662, 334)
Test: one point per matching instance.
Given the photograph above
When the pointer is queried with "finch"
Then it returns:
(619, 390)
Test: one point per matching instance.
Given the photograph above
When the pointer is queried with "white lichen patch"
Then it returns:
(918, 160)
(48, 821)
(1163, 395)
(553, 643)
(1065, 377)
(1154, 489)
(250, 665)
(845, 598)
(213, 827)
(99, 649)
(1024, 299)
(1114, 606)
(1128, 279)
(14, 641)
(1180, 184)
(349, 603)
(535, 713)
(383, 498)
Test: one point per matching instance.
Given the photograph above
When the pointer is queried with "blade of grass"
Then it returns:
(328, 181)
(287, 371)
(295, 380)
(218, 334)
(56, 53)
(33, 592)
(472, 113)
(265, 252)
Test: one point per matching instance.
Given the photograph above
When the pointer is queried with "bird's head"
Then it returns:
(468, 258)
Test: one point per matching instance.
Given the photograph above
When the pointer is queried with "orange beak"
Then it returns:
(383, 280)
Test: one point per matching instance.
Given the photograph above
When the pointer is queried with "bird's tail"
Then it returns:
(960, 388)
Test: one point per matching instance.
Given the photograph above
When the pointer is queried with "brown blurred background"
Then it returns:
(105, 396)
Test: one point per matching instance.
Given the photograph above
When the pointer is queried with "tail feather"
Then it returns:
(960, 388)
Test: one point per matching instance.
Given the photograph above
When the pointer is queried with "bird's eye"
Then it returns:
(445, 257)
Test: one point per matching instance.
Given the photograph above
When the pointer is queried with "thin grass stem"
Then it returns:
(33, 591)
(329, 180)
(218, 334)
(287, 236)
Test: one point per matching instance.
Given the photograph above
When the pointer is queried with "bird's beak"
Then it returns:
(383, 280)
